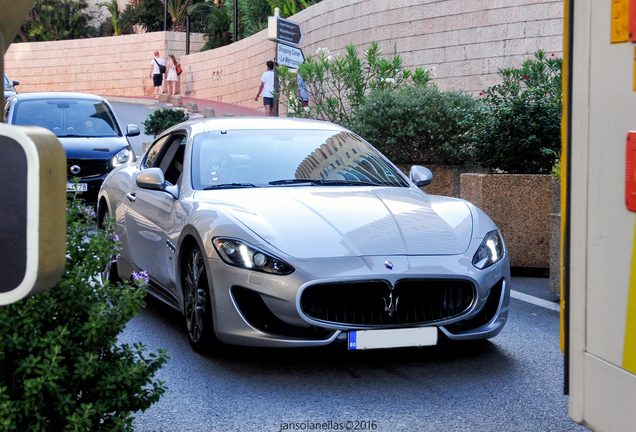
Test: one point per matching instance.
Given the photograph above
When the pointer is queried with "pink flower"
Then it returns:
(526, 76)
(552, 54)
(480, 93)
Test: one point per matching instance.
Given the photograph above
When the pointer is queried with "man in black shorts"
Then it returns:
(155, 73)
(267, 88)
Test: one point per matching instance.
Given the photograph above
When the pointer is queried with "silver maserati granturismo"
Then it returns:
(285, 232)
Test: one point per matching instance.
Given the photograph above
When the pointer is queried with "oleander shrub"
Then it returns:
(162, 119)
(61, 366)
(338, 85)
(419, 124)
(521, 130)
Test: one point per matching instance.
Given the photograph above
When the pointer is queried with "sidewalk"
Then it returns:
(221, 109)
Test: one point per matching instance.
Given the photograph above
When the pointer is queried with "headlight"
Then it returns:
(490, 251)
(123, 156)
(240, 254)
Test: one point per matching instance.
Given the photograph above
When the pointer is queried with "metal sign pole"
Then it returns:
(187, 34)
(276, 83)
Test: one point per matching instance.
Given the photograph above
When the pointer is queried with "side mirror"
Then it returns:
(15, 83)
(420, 175)
(132, 130)
(151, 178)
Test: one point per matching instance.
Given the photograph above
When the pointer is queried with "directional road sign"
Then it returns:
(289, 56)
(282, 30)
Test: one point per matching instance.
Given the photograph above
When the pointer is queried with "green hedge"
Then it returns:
(419, 125)
(521, 130)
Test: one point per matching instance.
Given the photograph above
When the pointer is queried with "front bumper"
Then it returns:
(92, 184)
(257, 309)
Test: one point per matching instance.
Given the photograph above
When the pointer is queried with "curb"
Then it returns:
(134, 100)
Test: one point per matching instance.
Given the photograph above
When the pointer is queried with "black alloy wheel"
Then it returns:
(197, 309)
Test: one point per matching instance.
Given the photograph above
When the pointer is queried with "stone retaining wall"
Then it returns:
(467, 42)
(109, 66)
(521, 206)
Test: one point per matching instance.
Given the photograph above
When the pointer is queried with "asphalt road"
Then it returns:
(512, 383)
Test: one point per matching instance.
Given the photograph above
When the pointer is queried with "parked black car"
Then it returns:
(9, 87)
(86, 126)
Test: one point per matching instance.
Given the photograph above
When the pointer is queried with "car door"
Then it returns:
(154, 218)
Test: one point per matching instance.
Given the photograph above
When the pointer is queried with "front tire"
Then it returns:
(196, 297)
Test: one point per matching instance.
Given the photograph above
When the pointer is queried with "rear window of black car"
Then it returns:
(67, 117)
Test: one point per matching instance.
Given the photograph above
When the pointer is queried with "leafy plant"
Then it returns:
(115, 17)
(51, 20)
(147, 14)
(521, 132)
(178, 9)
(337, 85)
(162, 119)
(288, 8)
(253, 16)
(419, 124)
(61, 367)
(219, 19)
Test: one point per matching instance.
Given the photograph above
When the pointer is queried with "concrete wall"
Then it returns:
(112, 66)
(466, 41)
(521, 206)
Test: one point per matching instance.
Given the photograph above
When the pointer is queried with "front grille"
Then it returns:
(89, 167)
(372, 303)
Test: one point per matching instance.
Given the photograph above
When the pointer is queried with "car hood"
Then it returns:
(321, 222)
(93, 148)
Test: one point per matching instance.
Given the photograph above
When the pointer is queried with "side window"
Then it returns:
(155, 153)
(172, 162)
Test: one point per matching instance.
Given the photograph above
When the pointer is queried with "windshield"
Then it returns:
(248, 158)
(67, 117)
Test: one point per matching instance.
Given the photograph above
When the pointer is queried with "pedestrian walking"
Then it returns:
(171, 77)
(156, 72)
(267, 88)
(302, 91)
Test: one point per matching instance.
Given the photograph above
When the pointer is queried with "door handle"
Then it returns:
(131, 197)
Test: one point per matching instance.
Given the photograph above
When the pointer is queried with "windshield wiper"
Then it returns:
(230, 186)
(294, 181)
(350, 183)
(324, 182)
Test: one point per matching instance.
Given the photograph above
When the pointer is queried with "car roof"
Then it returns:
(256, 123)
(57, 95)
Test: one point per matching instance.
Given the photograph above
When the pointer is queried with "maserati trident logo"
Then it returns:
(389, 306)
(75, 169)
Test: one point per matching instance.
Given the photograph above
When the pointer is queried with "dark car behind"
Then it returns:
(87, 128)
(9, 87)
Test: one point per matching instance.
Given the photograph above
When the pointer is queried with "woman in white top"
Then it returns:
(171, 76)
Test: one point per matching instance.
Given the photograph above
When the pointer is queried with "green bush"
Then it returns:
(163, 119)
(52, 20)
(521, 131)
(145, 13)
(337, 85)
(419, 125)
(61, 367)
